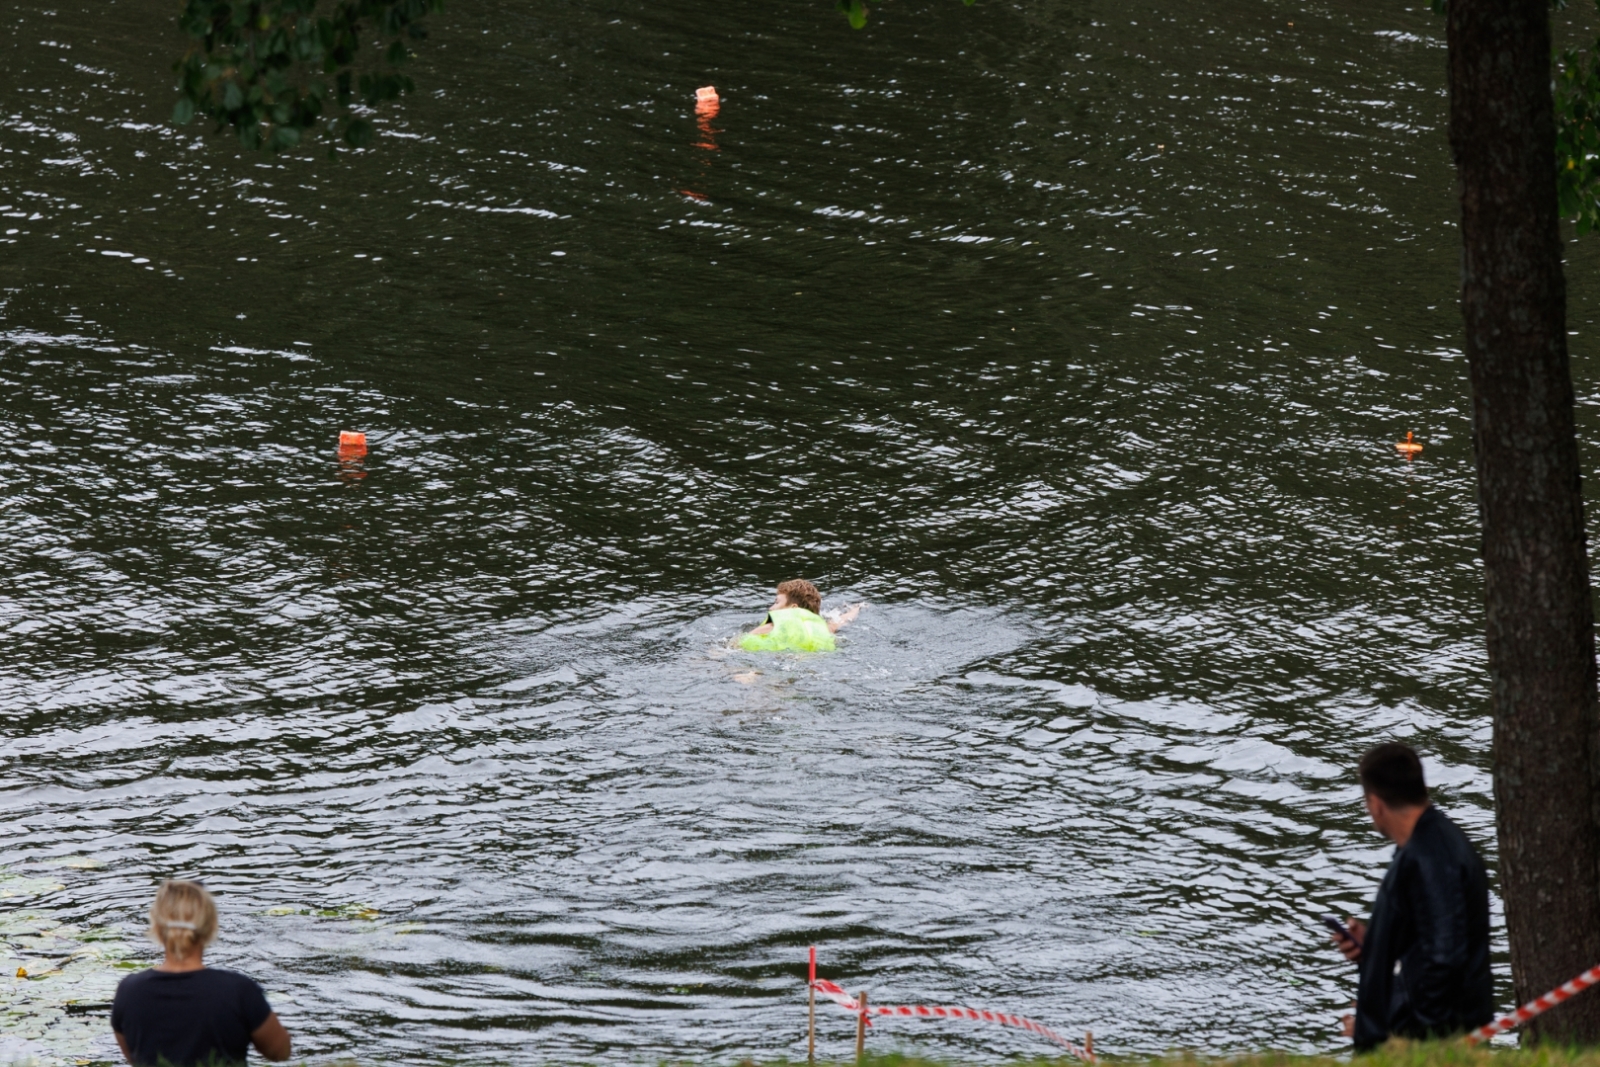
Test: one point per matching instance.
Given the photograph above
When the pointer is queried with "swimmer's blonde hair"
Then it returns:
(183, 917)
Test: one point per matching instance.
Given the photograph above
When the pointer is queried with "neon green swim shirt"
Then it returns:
(793, 630)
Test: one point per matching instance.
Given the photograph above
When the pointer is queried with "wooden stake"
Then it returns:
(811, 1009)
(1088, 1044)
(861, 1026)
(811, 1027)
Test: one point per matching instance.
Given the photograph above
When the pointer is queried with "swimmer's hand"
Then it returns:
(839, 620)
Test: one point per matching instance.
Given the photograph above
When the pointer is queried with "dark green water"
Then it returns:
(1073, 337)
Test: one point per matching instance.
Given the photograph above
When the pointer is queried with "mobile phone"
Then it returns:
(1332, 922)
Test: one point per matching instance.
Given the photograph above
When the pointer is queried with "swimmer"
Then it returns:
(793, 623)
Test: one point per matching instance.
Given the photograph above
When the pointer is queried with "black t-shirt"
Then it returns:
(188, 1018)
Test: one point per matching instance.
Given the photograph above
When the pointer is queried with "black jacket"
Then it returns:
(1425, 962)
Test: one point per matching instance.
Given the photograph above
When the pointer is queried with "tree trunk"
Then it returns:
(1540, 618)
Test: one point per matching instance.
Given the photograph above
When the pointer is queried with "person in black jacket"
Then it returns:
(1424, 957)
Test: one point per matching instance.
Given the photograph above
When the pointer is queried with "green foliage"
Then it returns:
(278, 70)
(856, 11)
(1577, 100)
(1577, 105)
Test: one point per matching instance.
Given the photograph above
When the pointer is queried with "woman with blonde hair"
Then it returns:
(183, 1013)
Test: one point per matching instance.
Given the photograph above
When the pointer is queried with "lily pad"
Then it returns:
(16, 886)
(52, 1013)
(338, 911)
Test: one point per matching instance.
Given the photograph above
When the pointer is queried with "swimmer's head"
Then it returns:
(798, 593)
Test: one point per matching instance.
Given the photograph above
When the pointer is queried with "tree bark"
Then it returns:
(1536, 576)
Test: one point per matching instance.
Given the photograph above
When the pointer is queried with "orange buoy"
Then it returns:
(706, 105)
(1409, 447)
(352, 445)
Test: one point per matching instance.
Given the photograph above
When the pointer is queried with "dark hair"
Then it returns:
(1393, 773)
(802, 594)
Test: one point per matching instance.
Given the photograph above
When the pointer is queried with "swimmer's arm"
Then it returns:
(844, 618)
(763, 629)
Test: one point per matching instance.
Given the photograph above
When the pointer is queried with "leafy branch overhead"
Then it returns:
(1577, 100)
(277, 70)
(1576, 80)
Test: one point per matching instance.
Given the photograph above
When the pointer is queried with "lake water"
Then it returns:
(1072, 338)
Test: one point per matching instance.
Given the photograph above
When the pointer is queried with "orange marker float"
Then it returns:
(1409, 447)
(352, 445)
(706, 105)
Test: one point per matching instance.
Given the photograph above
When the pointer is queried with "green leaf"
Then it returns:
(1577, 107)
(855, 11)
(279, 71)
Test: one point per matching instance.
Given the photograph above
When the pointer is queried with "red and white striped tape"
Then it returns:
(1536, 1007)
(836, 994)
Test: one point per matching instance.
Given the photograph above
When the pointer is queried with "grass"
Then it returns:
(1394, 1054)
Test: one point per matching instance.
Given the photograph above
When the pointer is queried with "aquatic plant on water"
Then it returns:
(57, 979)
